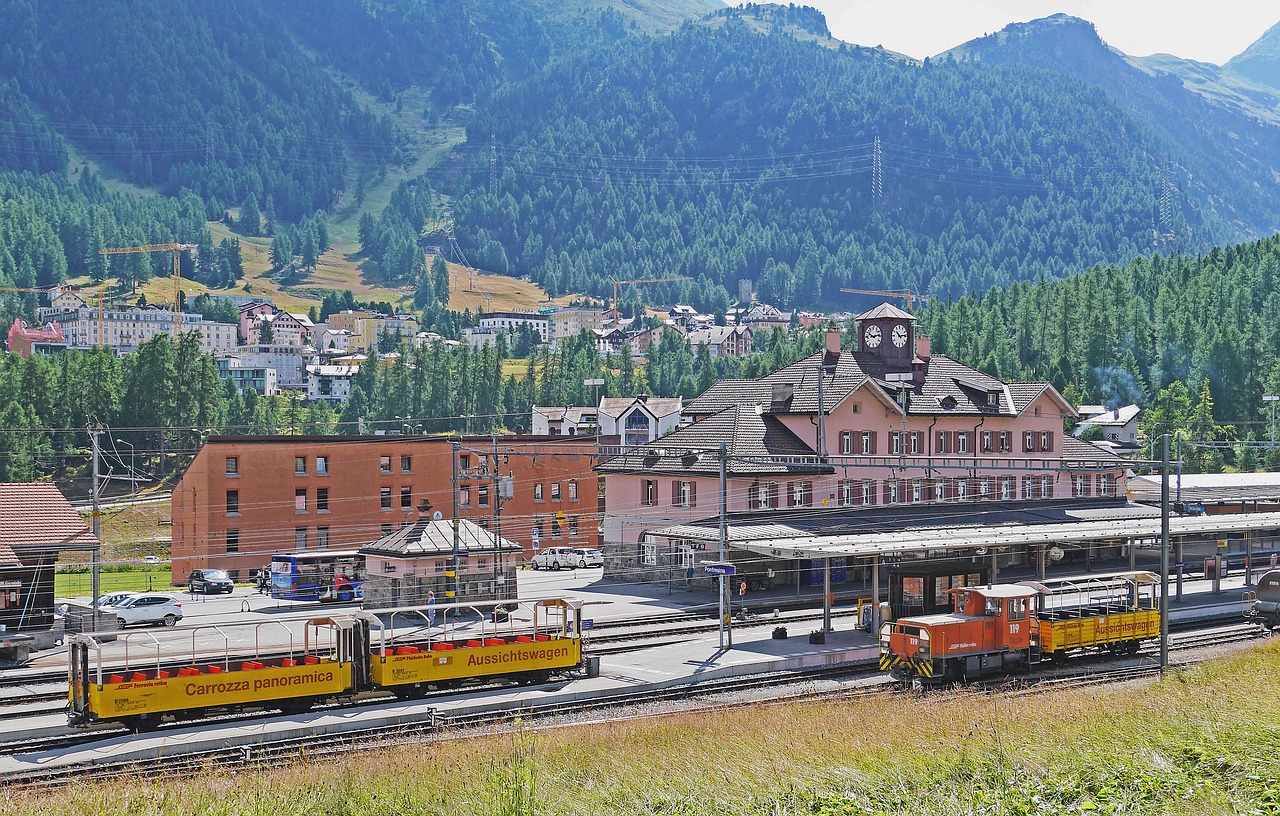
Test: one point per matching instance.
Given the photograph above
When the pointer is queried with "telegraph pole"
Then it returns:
(451, 576)
(1164, 552)
(95, 565)
(726, 627)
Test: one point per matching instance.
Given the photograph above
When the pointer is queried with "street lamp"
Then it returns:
(133, 474)
(1272, 399)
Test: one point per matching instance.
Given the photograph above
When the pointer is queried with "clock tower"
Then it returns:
(889, 333)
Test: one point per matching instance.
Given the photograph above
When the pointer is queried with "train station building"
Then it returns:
(888, 431)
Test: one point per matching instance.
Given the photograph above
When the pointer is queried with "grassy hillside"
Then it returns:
(1200, 743)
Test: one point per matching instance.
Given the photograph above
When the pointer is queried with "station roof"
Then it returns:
(1210, 488)
(782, 539)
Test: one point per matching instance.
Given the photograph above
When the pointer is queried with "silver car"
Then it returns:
(587, 557)
(149, 608)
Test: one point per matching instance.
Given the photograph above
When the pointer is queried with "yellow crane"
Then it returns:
(906, 295)
(645, 280)
(176, 249)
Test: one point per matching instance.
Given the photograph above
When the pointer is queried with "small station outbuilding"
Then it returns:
(403, 566)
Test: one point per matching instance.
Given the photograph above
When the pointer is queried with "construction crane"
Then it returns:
(906, 295)
(645, 280)
(176, 249)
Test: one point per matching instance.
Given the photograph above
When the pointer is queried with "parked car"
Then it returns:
(210, 580)
(555, 558)
(148, 608)
(151, 559)
(588, 557)
(113, 598)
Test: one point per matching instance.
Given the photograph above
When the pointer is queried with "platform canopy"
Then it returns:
(779, 539)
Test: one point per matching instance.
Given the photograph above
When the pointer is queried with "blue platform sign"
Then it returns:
(588, 624)
(712, 568)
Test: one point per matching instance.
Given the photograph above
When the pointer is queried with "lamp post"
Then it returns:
(133, 474)
(1273, 399)
(595, 383)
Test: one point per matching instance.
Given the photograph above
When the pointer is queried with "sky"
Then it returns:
(1193, 29)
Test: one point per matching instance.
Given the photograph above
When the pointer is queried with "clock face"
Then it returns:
(899, 335)
(872, 336)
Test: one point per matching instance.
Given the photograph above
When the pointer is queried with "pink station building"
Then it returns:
(889, 425)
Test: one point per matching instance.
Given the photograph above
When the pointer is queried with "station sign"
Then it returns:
(718, 568)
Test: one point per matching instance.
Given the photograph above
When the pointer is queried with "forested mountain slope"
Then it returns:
(723, 153)
(1218, 154)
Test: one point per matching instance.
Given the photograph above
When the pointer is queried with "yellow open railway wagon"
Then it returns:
(1113, 612)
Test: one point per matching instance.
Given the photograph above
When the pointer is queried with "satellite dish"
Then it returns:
(437, 515)
(981, 551)
(1056, 553)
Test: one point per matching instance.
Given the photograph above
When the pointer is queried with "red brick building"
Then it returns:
(245, 498)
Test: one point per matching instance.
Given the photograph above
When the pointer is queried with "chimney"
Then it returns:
(833, 339)
(922, 346)
(642, 397)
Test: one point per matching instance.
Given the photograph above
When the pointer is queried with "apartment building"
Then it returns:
(243, 499)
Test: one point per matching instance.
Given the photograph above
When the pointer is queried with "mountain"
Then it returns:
(1260, 62)
(1220, 144)
(733, 150)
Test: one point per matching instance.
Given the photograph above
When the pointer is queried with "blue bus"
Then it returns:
(318, 576)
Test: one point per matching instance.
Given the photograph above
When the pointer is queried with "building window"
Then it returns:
(764, 496)
(322, 537)
(846, 442)
(322, 465)
(1081, 485)
(464, 461)
(917, 443)
(986, 441)
(299, 466)
(384, 494)
(464, 496)
(962, 441)
(299, 538)
(984, 487)
(962, 489)
(800, 494)
(233, 502)
(1006, 488)
(1106, 485)
(917, 490)
(895, 442)
(406, 464)
(300, 500)
(555, 528)
(868, 491)
(384, 464)
(573, 526)
(1028, 441)
(650, 554)
(846, 492)
(941, 446)
(555, 491)
(891, 488)
(322, 500)
(482, 495)
(940, 490)
(573, 491)
(684, 493)
(1046, 441)
(1046, 487)
(537, 493)
(649, 493)
(1006, 441)
(406, 498)
(233, 466)
(868, 443)
(233, 541)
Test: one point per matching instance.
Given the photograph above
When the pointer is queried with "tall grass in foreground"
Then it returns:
(1198, 743)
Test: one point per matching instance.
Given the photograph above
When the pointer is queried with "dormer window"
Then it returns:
(949, 402)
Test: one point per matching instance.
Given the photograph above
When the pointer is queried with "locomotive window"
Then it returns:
(993, 607)
(1017, 609)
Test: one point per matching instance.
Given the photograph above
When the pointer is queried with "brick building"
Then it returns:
(244, 498)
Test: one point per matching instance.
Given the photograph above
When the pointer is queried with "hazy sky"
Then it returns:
(1195, 29)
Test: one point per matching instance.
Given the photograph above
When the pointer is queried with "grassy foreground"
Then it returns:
(1206, 741)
